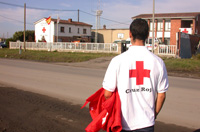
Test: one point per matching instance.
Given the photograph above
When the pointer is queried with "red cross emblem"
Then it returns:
(139, 73)
(43, 29)
(185, 31)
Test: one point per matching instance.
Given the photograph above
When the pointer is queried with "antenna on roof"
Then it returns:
(98, 25)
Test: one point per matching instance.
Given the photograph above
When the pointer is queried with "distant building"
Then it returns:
(68, 31)
(110, 35)
(168, 24)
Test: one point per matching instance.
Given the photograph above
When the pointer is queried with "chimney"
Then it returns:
(69, 20)
(104, 26)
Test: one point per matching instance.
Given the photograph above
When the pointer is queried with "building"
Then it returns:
(68, 31)
(110, 35)
(168, 24)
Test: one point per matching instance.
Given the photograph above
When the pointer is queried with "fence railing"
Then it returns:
(67, 46)
(167, 50)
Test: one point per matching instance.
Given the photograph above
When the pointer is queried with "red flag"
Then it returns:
(48, 20)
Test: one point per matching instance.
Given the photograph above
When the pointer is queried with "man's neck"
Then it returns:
(138, 42)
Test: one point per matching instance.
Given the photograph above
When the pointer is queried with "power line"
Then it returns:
(15, 5)
(104, 18)
(15, 20)
(36, 8)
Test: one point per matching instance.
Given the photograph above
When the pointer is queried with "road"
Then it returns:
(75, 84)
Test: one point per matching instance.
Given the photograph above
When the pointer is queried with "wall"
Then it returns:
(48, 34)
(175, 25)
(194, 40)
(110, 35)
(198, 24)
(74, 30)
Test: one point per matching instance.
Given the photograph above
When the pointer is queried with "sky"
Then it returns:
(116, 13)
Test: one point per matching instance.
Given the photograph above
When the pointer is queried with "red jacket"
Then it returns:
(106, 114)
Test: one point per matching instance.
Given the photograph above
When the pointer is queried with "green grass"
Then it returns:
(172, 64)
(51, 56)
(187, 65)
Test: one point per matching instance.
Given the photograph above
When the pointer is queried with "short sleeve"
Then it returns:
(163, 83)
(110, 79)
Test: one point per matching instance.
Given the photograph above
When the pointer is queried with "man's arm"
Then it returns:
(107, 94)
(159, 102)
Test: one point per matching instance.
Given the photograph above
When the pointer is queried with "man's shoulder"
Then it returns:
(121, 56)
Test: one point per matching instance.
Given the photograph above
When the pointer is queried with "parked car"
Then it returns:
(128, 43)
(148, 43)
(3, 45)
(119, 41)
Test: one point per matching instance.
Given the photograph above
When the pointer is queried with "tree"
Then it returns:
(19, 35)
(7, 41)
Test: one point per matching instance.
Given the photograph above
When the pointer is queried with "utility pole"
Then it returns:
(96, 33)
(24, 26)
(57, 27)
(78, 15)
(153, 21)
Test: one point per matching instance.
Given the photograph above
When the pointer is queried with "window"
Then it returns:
(62, 29)
(167, 26)
(151, 26)
(84, 31)
(78, 30)
(70, 30)
(160, 26)
(120, 36)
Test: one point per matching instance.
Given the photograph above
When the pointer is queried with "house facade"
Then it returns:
(110, 35)
(168, 24)
(62, 31)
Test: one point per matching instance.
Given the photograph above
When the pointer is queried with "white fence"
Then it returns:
(67, 46)
(167, 50)
(162, 50)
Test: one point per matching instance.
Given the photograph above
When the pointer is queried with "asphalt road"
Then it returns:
(75, 84)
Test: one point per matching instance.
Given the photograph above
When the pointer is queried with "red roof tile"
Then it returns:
(71, 22)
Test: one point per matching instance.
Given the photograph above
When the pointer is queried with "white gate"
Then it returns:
(167, 50)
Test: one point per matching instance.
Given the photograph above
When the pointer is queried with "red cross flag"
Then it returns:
(48, 20)
(186, 30)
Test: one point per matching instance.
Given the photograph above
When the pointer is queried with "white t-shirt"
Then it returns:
(139, 75)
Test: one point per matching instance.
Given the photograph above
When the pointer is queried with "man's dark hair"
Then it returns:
(139, 29)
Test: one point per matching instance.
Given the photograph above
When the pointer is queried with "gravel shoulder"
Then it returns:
(22, 111)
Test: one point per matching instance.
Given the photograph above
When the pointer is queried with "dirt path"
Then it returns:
(22, 111)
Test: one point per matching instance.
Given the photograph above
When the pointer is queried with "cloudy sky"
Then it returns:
(116, 13)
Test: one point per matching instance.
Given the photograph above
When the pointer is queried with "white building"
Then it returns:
(68, 31)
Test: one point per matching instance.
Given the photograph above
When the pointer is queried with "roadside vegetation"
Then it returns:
(173, 65)
(183, 65)
(54, 56)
